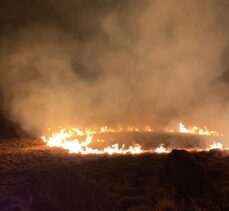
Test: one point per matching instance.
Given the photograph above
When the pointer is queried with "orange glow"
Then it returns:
(216, 146)
(79, 141)
(162, 149)
(69, 140)
(197, 130)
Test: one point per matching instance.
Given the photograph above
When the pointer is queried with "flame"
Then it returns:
(79, 141)
(197, 130)
(216, 146)
(68, 140)
(162, 149)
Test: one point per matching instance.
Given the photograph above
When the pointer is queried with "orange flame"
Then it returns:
(68, 140)
(162, 149)
(216, 146)
(197, 130)
(78, 141)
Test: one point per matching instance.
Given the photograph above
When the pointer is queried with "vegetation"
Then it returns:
(132, 183)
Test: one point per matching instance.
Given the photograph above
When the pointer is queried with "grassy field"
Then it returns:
(127, 182)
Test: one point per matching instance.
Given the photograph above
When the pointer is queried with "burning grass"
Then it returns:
(84, 141)
(128, 182)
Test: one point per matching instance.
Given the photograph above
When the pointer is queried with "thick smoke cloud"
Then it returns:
(97, 62)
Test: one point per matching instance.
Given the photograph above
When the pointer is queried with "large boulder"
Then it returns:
(62, 189)
(185, 173)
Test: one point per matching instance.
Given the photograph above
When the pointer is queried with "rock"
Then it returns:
(216, 153)
(62, 189)
(185, 173)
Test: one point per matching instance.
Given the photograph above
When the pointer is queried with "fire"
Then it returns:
(197, 130)
(79, 141)
(216, 146)
(162, 149)
(70, 140)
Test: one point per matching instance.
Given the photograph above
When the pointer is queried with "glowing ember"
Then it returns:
(79, 141)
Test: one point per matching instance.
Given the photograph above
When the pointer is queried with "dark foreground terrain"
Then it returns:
(34, 177)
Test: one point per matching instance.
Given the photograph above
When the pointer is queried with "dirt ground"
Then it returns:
(127, 182)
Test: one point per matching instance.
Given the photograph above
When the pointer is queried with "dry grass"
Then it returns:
(134, 182)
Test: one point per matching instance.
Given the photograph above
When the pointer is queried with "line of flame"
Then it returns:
(69, 140)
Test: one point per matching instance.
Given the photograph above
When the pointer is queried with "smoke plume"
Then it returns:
(86, 63)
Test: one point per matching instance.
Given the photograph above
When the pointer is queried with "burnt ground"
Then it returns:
(34, 177)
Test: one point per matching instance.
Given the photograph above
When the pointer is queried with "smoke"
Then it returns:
(94, 62)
